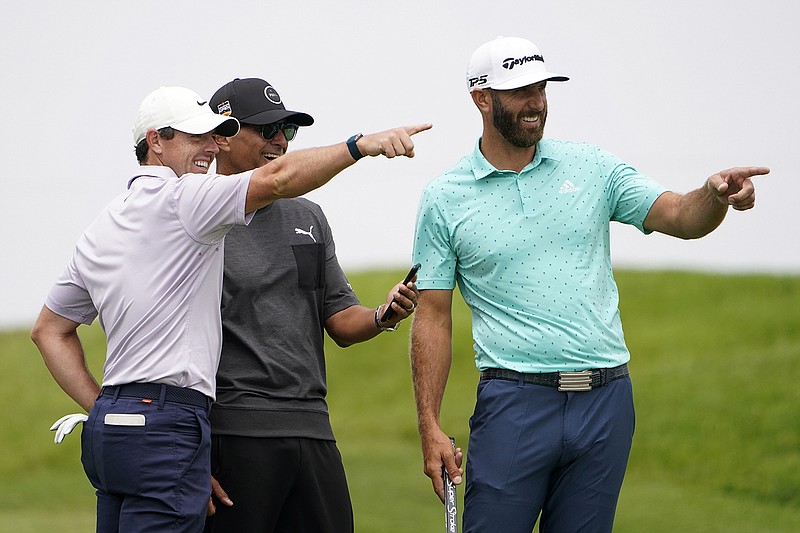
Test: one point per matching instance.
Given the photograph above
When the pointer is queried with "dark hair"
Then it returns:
(141, 149)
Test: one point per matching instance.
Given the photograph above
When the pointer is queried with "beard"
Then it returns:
(509, 128)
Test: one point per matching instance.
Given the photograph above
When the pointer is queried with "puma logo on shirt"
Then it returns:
(299, 231)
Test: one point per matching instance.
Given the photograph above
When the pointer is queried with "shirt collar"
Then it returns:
(481, 168)
(154, 171)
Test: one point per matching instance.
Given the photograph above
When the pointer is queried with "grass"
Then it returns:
(717, 444)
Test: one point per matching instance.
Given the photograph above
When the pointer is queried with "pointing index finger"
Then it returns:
(413, 130)
(747, 172)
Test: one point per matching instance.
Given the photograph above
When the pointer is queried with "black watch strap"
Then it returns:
(351, 145)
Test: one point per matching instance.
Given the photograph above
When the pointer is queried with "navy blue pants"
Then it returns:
(534, 450)
(154, 477)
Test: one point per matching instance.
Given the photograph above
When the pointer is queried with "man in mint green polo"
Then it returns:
(521, 224)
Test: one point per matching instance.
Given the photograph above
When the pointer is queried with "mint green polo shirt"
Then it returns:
(530, 253)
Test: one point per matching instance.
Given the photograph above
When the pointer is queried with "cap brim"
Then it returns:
(527, 79)
(208, 122)
(277, 115)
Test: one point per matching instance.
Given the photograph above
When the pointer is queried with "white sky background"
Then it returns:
(679, 89)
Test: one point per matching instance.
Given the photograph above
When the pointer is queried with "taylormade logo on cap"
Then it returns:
(507, 63)
(510, 62)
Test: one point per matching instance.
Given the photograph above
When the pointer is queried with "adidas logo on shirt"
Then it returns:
(568, 187)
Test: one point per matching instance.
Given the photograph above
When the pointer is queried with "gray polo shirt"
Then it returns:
(150, 267)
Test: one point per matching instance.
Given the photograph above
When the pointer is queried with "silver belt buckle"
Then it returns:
(575, 381)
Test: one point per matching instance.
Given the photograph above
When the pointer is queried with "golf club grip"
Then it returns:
(450, 506)
(389, 313)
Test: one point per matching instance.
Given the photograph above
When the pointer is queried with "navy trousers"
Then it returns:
(534, 450)
(151, 477)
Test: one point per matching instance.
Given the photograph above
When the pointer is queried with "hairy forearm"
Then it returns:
(701, 213)
(687, 216)
(65, 361)
(63, 355)
(431, 357)
(296, 173)
(299, 172)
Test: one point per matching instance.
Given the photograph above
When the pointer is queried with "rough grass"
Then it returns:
(717, 444)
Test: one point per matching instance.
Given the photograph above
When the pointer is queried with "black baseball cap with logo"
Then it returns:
(255, 101)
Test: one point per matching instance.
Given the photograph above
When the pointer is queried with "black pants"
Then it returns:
(280, 485)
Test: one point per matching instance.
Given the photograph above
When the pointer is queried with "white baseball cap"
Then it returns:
(183, 110)
(507, 63)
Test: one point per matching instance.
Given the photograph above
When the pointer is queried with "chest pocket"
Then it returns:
(310, 259)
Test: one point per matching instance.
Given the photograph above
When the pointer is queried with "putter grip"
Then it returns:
(450, 507)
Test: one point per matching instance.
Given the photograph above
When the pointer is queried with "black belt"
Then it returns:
(154, 391)
(583, 380)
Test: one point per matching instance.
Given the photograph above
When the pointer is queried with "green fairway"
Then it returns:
(717, 445)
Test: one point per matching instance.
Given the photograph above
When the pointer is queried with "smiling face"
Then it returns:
(184, 153)
(519, 115)
(249, 150)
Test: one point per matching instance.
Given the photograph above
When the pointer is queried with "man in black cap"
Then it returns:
(274, 456)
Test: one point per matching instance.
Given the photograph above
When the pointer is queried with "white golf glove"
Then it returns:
(64, 425)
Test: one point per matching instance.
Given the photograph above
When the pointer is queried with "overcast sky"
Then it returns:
(678, 89)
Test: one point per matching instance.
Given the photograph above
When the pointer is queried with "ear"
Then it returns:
(154, 141)
(482, 99)
(223, 143)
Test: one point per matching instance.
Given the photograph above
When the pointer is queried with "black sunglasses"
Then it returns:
(269, 131)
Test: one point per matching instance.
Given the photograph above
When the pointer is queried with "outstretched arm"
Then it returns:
(297, 173)
(431, 357)
(699, 212)
(57, 340)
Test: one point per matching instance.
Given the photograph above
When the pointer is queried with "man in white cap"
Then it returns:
(522, 225)
(150, 268)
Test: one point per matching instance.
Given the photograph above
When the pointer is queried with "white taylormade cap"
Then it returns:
(183, 110)
(507, 63)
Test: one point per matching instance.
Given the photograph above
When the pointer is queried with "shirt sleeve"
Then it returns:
(209, 205)
(433, 245)
(339, 294)
(630, 194)
(70, 299)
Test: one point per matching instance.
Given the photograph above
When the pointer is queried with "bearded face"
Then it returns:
(523, 127)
